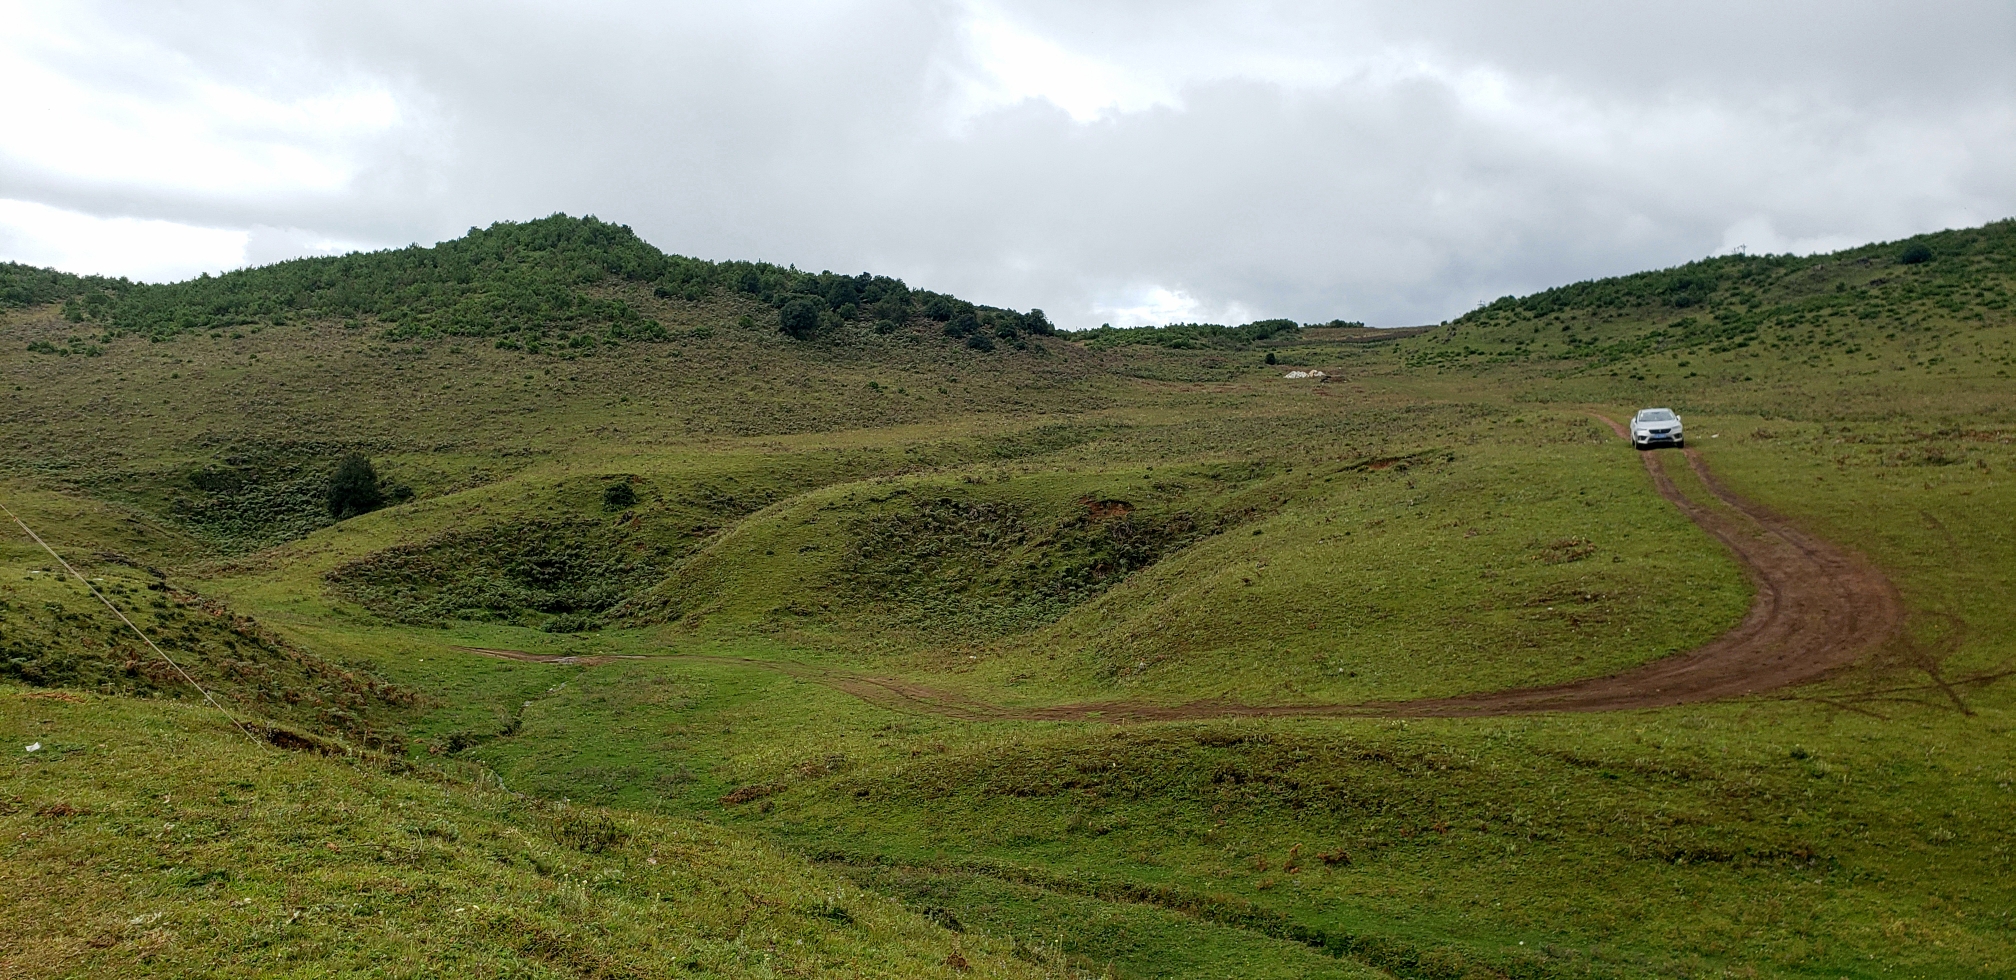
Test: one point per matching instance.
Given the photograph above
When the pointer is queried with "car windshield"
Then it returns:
(1656, 415)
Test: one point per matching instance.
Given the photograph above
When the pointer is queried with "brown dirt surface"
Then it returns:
(1817, 608)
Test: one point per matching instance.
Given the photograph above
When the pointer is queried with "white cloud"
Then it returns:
(1152, 305)
(148, 251)
(1757, 236)
(1149, 306)
(266, 244)
(1010, 64)
(111, 108)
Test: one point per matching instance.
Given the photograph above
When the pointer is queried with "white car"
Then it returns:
(1656, 427)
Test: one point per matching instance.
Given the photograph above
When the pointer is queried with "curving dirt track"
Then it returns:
(1817, 608)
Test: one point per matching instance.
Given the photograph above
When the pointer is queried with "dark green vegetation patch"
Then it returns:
(559, 574)
(1200, 336)
(555, 284)
(25, 285)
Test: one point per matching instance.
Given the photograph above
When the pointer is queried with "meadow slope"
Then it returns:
(1085, 651)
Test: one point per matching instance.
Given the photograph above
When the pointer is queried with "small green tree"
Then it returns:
(1915, 254)
(354, 488)
(799, 316)
(1271, 358)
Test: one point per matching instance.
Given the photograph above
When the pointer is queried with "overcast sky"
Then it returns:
(1108, 162)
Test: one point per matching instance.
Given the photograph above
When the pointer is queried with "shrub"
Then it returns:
(593, 831)
(1915, 254)
(354, 488)
(618, 496)
(799, 316)
(1271, 359)
(571, 623)
(1192, 336)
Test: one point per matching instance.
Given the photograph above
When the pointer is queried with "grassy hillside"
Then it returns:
(1868, 332)
(152, 839)
(806, 591)
(563, 285)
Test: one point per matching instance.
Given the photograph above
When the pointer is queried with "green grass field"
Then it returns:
(807, 524)
(202, 854)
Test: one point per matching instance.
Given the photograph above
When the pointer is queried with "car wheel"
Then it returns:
(1679, 443)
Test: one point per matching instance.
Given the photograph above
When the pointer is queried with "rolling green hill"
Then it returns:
(1858, 328)
(979, 626)
(562, 284)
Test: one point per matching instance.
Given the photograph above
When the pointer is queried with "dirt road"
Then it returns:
(1817, 608)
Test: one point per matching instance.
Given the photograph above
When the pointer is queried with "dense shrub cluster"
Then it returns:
(980, 326)
(532, 286)
(809, 304)
(1864, 303)
(81, 346)
(1199, 336)
(1731, 278)
(525, 284)
(26, 285)
(1692, 284)
(354, 489)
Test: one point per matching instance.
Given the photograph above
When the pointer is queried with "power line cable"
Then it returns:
(137, 631)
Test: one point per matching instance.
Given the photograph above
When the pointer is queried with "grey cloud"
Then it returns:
(1395, 163)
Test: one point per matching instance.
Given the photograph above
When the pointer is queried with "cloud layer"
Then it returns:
(1122, 162)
